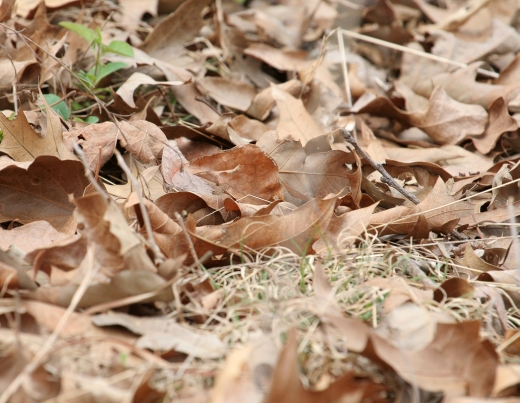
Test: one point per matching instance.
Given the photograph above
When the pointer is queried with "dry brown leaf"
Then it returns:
(41, 191)
(22, 143)
(162, 335)
(295, 231)
(316, 175)
(234, 94)
(143, 139)
(246, 172)
(295, 122)
(440, 216)
(95, 140)
(466, 366)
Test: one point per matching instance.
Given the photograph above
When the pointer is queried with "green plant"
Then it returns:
(91, 78)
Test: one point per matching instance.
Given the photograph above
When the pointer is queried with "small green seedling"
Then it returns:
(91, 78)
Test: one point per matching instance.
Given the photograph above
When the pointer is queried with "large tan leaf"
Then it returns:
(22, 143)
(316, 175)
(295, 122)
(41, 192)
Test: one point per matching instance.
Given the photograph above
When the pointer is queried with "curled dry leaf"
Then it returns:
(143, 139)
(295, 231)
(126, 91)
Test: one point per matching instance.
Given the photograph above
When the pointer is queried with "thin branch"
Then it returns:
(158, 256)
(386, 178)
(190, 242)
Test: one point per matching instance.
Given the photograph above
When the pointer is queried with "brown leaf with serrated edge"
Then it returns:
(286, 385)
(466, 366)
(143, 139)
(443, 216)
(499, 122)
(41, 191)
(295, 122)
(248, 174)
(295, 231)
(22, 143)
(316, 175)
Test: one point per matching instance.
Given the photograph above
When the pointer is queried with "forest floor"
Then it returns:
(259, 201)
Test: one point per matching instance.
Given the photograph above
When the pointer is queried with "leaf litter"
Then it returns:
(245, 247)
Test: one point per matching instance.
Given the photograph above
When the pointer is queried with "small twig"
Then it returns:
(205, 102)
(190, 242)
(88, 172)
(158, 256)
(386, 178)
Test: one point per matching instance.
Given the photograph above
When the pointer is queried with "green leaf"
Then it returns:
(120, 48)
(85, 32)
(108, 69)
(91, 119)
(60, 108)
(1, 134)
